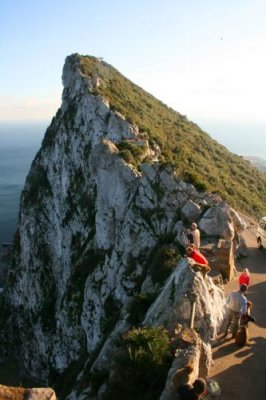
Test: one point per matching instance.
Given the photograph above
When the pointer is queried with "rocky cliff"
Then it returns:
(95, 230)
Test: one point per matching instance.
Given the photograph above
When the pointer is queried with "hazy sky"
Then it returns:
(204, 58)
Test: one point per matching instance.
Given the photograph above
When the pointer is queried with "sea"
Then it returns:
(242, 138)
(20, 142)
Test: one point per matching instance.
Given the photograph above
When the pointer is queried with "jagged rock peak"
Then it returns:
(74, 80)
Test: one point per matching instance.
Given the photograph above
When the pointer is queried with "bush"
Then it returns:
(162, 262)
(132, 153)
(127, 156)
(196, 180)
(142, 366)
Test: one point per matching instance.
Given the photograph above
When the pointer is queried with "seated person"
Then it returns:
(199, 258)
(196, 255)
(193, 392)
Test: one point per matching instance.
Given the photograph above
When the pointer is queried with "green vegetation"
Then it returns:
(196, 157)
(162, 260)
(132, 153)
(142, 365)
(139, 306)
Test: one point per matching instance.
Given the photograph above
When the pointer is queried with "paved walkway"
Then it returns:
(241, 372)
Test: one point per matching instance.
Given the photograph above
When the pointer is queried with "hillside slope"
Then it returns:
(197, 158)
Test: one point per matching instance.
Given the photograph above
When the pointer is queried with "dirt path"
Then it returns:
(241, 372)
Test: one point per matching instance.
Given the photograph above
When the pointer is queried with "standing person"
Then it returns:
(236, 308)
(244, 278)
(195, 235)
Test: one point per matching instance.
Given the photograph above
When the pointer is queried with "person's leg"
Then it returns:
(227, 322)
(235, 323)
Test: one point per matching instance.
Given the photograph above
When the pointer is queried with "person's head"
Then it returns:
(189, 250)
(243, 288)
(199, 386)
(194, 226)
(245, 271)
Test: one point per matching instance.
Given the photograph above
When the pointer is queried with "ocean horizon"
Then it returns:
(19, 144)
(241, 138)
(15, 164)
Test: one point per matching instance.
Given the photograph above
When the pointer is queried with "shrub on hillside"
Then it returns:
(142, 365)
(162, 262)
(127, 156)
(196, 180)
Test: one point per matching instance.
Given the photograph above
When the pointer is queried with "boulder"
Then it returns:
(191, 211)
(19, 393)
(217, 222)
(239, 223)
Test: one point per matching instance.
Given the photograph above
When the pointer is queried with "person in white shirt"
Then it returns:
(196, 235)
(236, 308)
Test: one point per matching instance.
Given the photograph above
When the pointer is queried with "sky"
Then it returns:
(204, 58)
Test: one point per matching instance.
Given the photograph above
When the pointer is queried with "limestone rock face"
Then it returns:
(18, 393)
(90, 225)
(174, 303)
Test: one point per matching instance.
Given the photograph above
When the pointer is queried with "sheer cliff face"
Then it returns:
(89, 222)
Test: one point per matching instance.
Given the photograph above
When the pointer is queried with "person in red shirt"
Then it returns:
(196, 256)
(244, 278)
(200, 260)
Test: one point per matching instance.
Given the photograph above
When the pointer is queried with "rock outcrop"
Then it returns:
(18, 393)
(91, 227)
(221, 221)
